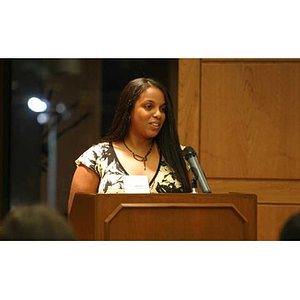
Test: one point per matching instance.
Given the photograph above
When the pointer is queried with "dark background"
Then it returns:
(24, 140)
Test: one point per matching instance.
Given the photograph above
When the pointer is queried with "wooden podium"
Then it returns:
(165, 217)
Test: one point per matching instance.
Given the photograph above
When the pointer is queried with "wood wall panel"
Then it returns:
(189, 103)
(271, 218)
(268, 191)
(249, 138)
(249, 116)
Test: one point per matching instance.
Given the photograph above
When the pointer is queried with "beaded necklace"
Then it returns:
(139, 157)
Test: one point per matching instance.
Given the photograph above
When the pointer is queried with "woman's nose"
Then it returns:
(157, 113)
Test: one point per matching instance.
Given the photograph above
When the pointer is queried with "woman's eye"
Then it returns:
(148, 106)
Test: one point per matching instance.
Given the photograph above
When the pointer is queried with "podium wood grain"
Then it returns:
(165, 217)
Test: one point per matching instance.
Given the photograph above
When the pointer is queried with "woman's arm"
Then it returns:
(84, 181)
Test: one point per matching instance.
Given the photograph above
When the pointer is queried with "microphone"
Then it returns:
(191, 157)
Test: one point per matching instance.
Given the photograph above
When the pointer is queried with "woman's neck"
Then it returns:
(138, 144)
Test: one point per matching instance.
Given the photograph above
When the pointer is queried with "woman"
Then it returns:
(143, 140)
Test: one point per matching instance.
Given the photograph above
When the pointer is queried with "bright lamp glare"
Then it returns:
(37, 105)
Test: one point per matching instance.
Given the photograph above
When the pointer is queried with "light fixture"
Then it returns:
(37, 105)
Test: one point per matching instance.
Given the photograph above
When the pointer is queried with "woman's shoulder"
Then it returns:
(95, 153)
(96, 150)
(100, 146)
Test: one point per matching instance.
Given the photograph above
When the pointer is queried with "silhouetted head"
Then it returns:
(36, 223)
(291, 229)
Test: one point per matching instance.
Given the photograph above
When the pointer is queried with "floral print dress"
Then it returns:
(102, 159)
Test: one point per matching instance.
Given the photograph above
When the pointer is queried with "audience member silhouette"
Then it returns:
(291, 229)
(36, 222)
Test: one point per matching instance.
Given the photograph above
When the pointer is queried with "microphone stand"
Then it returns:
(194, 186)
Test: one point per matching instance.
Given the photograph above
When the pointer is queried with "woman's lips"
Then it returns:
(155, 125)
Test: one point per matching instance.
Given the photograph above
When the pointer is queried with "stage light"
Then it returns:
(37, 105)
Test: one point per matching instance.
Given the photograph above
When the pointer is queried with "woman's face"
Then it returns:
(148, 114)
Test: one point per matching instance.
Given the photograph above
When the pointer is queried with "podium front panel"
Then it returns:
(165, 217)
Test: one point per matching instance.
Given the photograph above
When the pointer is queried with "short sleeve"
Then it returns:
(89, 158)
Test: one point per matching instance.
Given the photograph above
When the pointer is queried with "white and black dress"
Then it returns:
(102, 159)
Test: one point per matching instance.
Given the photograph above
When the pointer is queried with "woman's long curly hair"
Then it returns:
(167, 139)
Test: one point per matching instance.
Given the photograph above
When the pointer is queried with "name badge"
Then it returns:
(136, 184)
